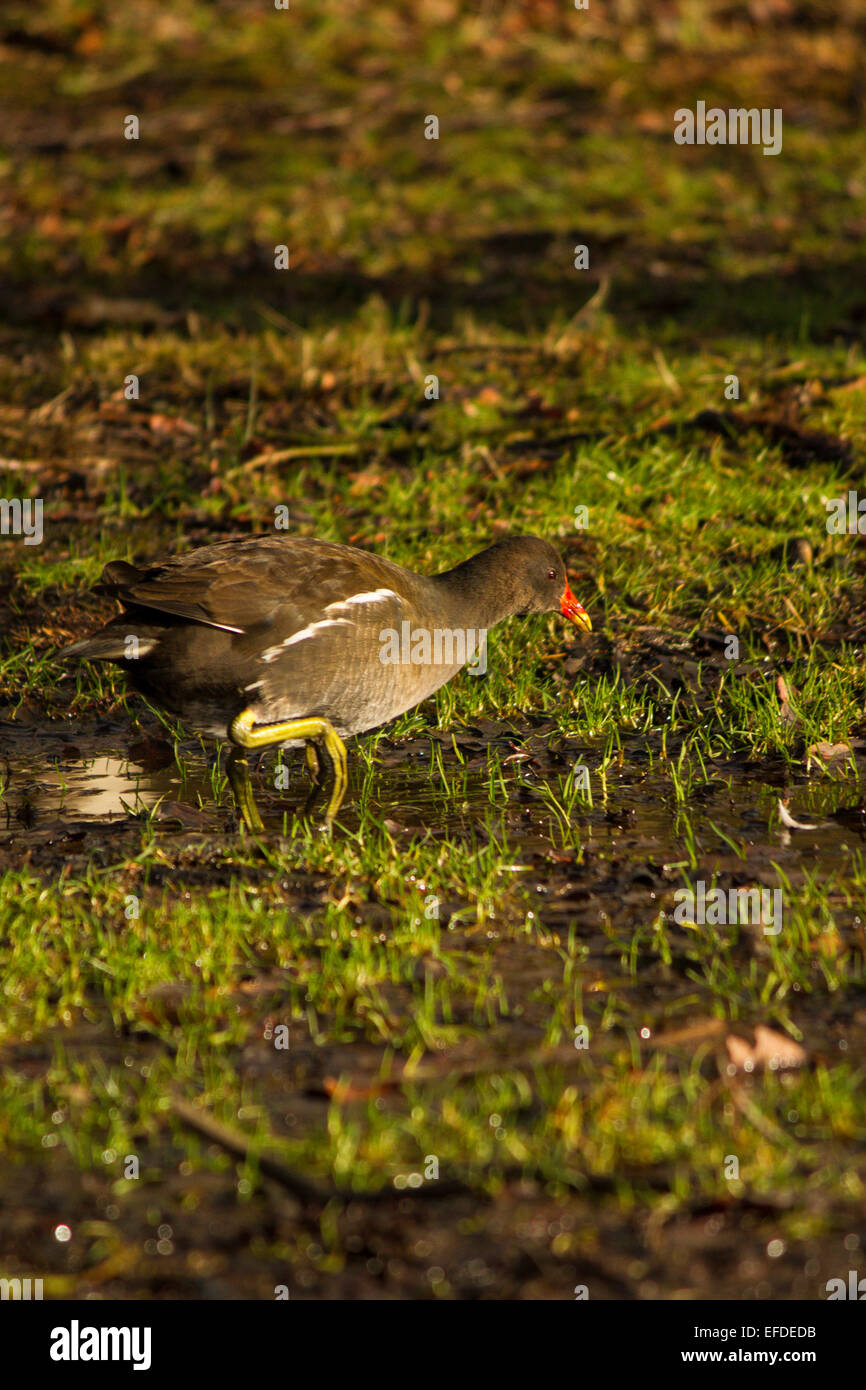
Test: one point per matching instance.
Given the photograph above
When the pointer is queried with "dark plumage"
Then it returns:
(279, 629)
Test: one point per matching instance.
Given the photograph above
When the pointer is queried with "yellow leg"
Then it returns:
(323, 745)
(239, 777)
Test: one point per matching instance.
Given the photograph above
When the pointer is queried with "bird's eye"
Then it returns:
(551, 574)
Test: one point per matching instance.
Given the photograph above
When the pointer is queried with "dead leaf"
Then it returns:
(366, 481)
(829, 945)
(772, 1050)
(697, 1032)
(151, 753)
(189, 816)
(90, 41)
(788, 820)
(828, 753)
(488, 395)
(786, 711)
(344, 1091)
(171, 424)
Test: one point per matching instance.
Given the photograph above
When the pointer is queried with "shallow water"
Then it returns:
(87, 779)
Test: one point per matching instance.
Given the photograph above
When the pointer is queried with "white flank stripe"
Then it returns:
(374, 596)
(221, 627)
(271, 653)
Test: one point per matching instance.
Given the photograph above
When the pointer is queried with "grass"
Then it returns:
(434, 958)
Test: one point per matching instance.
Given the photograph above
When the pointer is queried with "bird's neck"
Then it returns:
(478, 593)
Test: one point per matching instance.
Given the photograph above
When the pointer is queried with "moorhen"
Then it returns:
(285, 641)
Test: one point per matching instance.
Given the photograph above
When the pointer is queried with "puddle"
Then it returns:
(39, 788)
(99, 788)
(631, 813)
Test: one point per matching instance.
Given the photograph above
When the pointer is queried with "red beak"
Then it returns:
(572, 610)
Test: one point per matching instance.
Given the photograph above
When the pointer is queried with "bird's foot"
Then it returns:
(242, 787)
(325, 751)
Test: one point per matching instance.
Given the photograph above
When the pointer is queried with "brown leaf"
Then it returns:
(151, 753)
(694, 1033)
(341, 1091)
(488, 395)
(171, 424)
(829, 752)
(775, 1051)
(366, 481)
(829, 945)
(189, 816)
(787, 713)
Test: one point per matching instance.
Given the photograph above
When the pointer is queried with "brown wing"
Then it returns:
(239, 585)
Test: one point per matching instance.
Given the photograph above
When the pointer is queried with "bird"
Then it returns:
(296, 642)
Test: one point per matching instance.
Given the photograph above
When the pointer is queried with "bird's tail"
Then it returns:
(109, 645)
